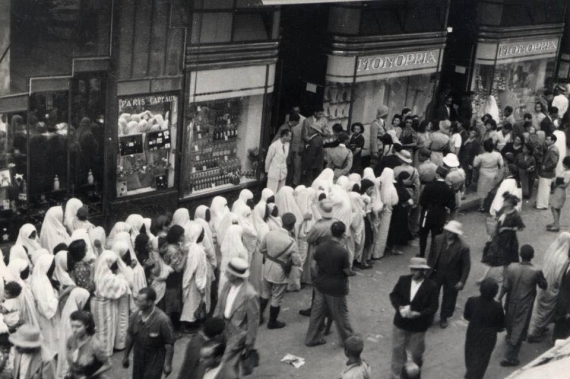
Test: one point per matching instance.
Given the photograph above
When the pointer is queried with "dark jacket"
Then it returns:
(191, 366)
(547, 126)
(425, 302)
(451, 264)
(435, 197)
(314, 154)
(549, 163)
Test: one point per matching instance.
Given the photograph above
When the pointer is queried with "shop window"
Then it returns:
(221, 144)
(48, 139)
(515, 84)
(147, 141)
(252, 26)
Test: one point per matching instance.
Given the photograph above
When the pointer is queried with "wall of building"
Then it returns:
(4, 44)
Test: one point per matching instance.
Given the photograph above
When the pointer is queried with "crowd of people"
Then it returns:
(73, 294)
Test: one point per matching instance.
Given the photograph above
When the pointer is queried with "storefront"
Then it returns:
(513, 72)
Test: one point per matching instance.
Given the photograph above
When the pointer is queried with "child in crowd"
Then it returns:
(10, 308)
(356, 368)
(6, 369)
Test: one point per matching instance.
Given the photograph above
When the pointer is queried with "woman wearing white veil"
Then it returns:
(324, 181)
(245, 198)
(231, 247)
(53, 231)
(46, 298)
(98, 239)
(18, 252)
(229, 219)
(20, 269)
(125, 304)
(28, 238)
(180, 217)
(245, 220)
(117, 228)
(82, 234)
(71, 208)
(389, 198)
(256, 266)
(267, 196)
(273, 219)
(139, 276)
(553, 266)
(218, 210)
(344, 183)
(357, 226)
(136, 222)
(61, 273)
(304, 197)
(342, 211)
(202, 217)
(286, 203)
(195, 280)
(369, 174)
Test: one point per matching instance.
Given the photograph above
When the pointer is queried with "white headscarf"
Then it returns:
(218, 210)
(71, 208)
(387, 190)
(53, 231)
(44, 293)
(341, 205)
(376, 198)
(229, 219)
(325, 180)
(259, 221)
(262, 204)
(274, 222)
(244, 196)
(369, 174)
(139, 276)
(355, 178)
(180, 217)
(97, 234)
(286, 203)
(37, 254)
(358, 214)
(60, 273)
(24, 238)
(81, 234)
(136, 222)
(233, 246)
(305, 198)
(121, 248)
(28, 312)
(208, 242)
(196, 252)
(18, 252)
(107, 284)
(555, 258)
(117, 228)
(148, 223)
(344, 183)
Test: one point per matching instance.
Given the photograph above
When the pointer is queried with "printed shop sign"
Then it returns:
(397, 62)
(517, 49)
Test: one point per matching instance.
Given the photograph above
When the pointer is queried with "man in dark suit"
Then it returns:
(415, 299)
(191, 365)
(313, 156)
(547, 123)
(239, 306)
(547, 172)
(436, 200)
(450, 264)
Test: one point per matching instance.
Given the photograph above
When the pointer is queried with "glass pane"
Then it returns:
(252, 26)
(221, 144)
(211, 28)
(87, 146)
(147, 140)
(48, 148)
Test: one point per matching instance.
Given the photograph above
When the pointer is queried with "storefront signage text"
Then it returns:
(398, 61)
(146, 100)
(527, 48)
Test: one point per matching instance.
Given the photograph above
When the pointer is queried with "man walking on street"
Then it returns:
(547, 172)
(414, 298)
(151, 335)
(436, 201)
(331, 287)
(519, 285)
(450, 264)
(276, 161)
(319, 233)
(280, 250)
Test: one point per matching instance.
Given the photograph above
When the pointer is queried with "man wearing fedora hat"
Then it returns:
(279, 248)
(412, 185)
(31, 359)
(436, 200)
(450, 263)
(319, 233)
(377, 131)
(414, 298)
(239, 306)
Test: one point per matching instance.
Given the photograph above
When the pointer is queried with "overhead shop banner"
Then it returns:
(505, 52)
(295, 2)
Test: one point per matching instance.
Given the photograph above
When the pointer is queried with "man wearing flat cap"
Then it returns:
(279, 248)
(414, 298)
(377, 130)
(450, 263)
(238, 305)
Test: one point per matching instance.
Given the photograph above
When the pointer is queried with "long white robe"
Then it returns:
(561, 145)
(195, 279)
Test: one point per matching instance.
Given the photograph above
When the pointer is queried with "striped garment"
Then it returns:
(105, 315)
(122, 321)
(381, 232)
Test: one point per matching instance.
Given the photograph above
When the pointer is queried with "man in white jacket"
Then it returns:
(276, 161)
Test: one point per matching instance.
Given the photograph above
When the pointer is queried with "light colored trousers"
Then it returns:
(402, 341)
(275, 184)
(543, 194)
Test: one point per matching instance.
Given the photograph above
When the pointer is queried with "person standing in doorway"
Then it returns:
(415, 299)
(151, 335)
(313, 156)
(296, 145)
(317, 121)
(276, 161)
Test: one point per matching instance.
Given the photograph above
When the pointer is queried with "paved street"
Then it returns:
(371, 315)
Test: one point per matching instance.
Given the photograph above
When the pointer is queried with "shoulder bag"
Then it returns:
(286, 266)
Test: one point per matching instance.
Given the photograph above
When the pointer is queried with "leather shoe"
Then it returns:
(443, 323)
(305, 312)
(509, 363)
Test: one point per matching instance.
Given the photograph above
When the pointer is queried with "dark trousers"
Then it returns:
(214, 291)
(449, 295)
(338, 308)
(310, 175)
(424, 232)
(512, 353)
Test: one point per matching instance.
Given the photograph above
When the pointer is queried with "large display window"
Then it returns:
(221, 144)
(514, 84)
(147, 142)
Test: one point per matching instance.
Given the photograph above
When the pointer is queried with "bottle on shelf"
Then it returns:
(5, 235)
(90, 178)
(56, 183)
